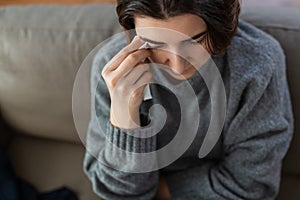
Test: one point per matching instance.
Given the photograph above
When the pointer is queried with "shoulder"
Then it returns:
(251, 41)
(254, 55)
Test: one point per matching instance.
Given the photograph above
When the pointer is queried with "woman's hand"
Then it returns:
(126, 77)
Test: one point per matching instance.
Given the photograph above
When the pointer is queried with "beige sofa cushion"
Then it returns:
(41, 49)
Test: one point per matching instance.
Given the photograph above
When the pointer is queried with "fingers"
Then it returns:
(131, 61)
(144, 79)
(117, 59)
(136, 91)
(136, 73)
(126, 67)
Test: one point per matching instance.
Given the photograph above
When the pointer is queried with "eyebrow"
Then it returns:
(190, 39)
(196, 36)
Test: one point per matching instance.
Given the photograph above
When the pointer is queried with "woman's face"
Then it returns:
(177, 42)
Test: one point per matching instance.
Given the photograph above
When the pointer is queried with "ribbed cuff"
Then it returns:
(126, 149)
(138, 140)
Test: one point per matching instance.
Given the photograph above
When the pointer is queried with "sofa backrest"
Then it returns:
(41, 50)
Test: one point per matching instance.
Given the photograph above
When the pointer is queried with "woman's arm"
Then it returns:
(101, 160)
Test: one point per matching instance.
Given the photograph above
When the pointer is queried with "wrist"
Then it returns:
(126, 122)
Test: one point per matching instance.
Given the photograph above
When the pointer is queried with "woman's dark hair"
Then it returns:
(221, 16)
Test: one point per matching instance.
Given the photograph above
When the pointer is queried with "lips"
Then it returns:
(186, 71)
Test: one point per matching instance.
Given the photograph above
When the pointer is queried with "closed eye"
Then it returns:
(197, 42)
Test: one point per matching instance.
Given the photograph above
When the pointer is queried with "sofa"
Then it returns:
(41, 51)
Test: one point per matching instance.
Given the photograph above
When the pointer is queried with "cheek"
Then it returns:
(198, 55)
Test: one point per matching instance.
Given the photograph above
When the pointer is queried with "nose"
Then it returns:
(176, 63)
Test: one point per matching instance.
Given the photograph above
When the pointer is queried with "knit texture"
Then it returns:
(246, 161)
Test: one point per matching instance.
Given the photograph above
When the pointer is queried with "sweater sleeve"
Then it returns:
(255, 142)
(102, 161)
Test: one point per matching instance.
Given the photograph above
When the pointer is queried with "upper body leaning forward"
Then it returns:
(245, 161)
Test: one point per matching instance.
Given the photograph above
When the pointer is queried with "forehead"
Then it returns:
(179, 27)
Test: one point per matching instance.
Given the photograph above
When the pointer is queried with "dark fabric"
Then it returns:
(13, 188)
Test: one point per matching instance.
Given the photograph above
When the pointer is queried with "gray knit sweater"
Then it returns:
(246, 161)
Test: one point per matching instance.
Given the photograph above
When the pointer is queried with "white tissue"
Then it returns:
(147, 91)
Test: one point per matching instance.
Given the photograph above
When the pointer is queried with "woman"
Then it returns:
(245, 162)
